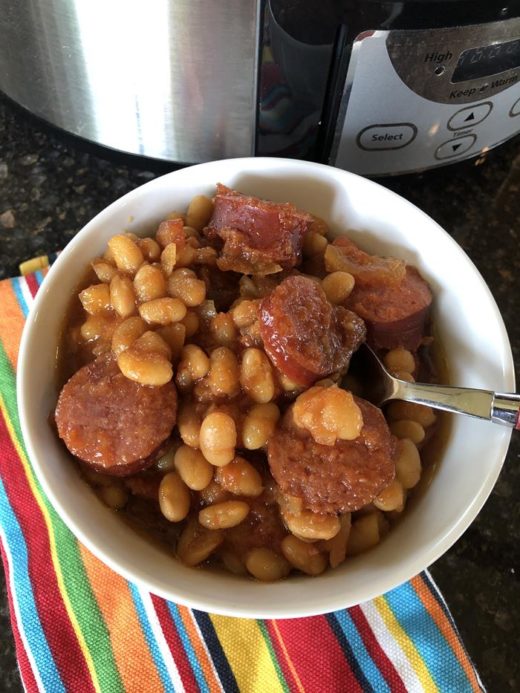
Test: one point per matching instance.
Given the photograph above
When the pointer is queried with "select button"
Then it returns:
(386, 136)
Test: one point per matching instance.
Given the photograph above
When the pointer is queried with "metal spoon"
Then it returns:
(378, 386)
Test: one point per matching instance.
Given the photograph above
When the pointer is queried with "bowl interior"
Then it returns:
(467, 320)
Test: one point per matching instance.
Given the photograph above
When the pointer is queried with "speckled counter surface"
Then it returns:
(50, 187)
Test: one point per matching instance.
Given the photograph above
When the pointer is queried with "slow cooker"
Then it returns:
(374, 87)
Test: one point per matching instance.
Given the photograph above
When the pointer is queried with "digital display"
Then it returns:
(487, 60)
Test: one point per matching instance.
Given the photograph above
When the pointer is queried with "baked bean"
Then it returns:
(259, 425)
(325, 382)
(127, 333)
(223, 377)
(189, 422)
(303, 556)
(149, 283)
(96, 478)
(391, 498)
(95, 299)
(122, 295)
(190, 232)
(197, 543)
(150, 249)
(205, 256)
(108, 255)
(184, 284)
(185, 256)
(214, 493)
(248, 288)
(194, 365)
(403, 375)
(177, 215)
(146, 368)
(98, 327)
(398, 410)
(365, 533)
(162, 311)
(318, 225)
(240, 478)
(218, 438)
(174, 335)
(199, 212)
(232, 562)
(113, 496)
(338, 286)
(170, 233)
(314, 244)
(152, 342)
(224, 515)
(408, 429)
(166, 463)
(408, 463)
(244, 312)
(311, 526)
(266, 565)
(256, 375)
(191, 323)
(169, 258)
(287, 384)
(193, 468)
(337, 546)
(126, 253)
(329, 414)
(223, 329)
(399, 359)
(192, 241)
(104, 270)
(174, 497)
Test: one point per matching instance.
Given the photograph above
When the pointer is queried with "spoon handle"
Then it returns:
(506, 409)
(484, 404)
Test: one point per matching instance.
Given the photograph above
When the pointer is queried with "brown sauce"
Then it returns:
(264, 525)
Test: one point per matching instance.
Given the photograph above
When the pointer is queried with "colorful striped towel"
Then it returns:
(80, 627)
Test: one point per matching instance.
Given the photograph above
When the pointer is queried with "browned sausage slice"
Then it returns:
(304, 335)
(334, 478)
(260, 237)
(111, 422)
(389, 295)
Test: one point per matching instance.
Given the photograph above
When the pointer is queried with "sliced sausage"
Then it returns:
(259, 237)
(334, 478)
(392, 297)
(114, 424)
(304, 335)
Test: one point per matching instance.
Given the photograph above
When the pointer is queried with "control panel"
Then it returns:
(417, 99)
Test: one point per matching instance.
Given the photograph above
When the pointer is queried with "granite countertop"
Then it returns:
(51, 185)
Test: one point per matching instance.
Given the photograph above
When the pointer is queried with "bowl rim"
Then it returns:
(400, 573)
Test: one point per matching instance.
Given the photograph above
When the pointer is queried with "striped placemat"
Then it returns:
(78, 626)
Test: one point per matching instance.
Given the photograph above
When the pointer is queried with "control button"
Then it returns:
(515, 109)
(455, 147)
(387, 136)
(472, 115)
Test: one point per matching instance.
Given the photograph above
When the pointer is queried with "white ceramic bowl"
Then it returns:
(470, 327)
